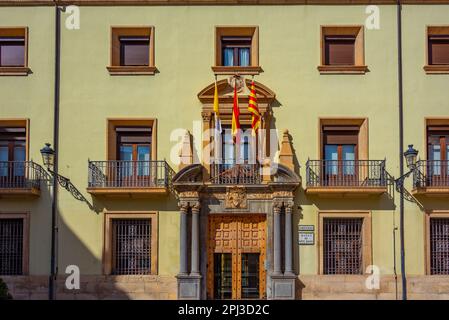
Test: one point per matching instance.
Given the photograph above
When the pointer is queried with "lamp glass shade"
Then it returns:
(410, 156)
(48, 155)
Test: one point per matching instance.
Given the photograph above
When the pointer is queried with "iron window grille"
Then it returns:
(11, 246)
(439, 246)
(131, 246)
(343, 246)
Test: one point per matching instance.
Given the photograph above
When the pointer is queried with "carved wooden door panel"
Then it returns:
(236, 257)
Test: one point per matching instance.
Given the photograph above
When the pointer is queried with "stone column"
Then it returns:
(195, 239)
(183, 238)
(288, 239)
(277, 238)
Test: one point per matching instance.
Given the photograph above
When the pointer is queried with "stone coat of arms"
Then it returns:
(236, 198)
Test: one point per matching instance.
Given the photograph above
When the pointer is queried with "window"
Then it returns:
(12, 156)
(233, 153)
(343, 246)
(132, 50)
(134, 154)
(339, 50)
(236, 50)
(344, 242)
(439, 245)
(13, 51)
(132, 139)
(342, 50)
(13, 244)
(340, 150)
(131, 243)
(438, 153)
(437, 51)
(132, 246)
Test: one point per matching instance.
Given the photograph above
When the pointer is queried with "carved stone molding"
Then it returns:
(206, 116)
(189, 194)
(236, 198)
(183, 206)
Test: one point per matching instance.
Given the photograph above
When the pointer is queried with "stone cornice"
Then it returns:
(210, 2)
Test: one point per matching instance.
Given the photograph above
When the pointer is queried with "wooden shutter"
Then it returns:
(439, 49)
(340, 50)
(340, 135)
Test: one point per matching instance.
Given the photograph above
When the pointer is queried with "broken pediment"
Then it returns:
(226, 92)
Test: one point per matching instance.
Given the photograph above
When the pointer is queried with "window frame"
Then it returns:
(237, 31)
(112, 136)
(427, 245)
(16, 70)
(366, 237)
(19, 123)
(356, 31)
(435, 30)
(25, 216)
(115, 67)
(108, 235)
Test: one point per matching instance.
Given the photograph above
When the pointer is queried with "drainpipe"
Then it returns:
(54, 227)
(401, 149)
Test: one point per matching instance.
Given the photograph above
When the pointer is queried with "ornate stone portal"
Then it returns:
(201, 196)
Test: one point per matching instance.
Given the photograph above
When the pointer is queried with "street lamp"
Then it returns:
(48, 156)
(410, 157)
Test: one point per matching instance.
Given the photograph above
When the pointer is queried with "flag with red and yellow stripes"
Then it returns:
(254, 109)
(235, 118)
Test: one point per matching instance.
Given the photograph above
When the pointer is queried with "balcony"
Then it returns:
(346, 177)
(431, 178)
(137, 179)
(20, 179)
(234, 174)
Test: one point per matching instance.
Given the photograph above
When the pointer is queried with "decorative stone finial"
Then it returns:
(185, 153)
(286, 153)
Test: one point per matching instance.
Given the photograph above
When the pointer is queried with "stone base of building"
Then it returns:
(95, 288)
(352, 287)
(318, 287)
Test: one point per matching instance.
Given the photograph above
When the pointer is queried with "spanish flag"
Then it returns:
(235, 118)
(254, 109)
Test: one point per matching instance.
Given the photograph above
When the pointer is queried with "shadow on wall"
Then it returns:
(93, 284)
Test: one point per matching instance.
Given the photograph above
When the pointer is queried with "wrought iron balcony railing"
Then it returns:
(236, 173)
(346, 173)
(129, 174)
(431, 173)
(20, 175)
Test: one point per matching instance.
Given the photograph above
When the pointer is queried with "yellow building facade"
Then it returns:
(165, 215)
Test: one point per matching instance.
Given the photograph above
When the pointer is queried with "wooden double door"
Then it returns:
(236, 257)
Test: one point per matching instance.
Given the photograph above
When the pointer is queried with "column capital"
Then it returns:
(183, 206)
(289, 205)
(196, 206)
(277, 206)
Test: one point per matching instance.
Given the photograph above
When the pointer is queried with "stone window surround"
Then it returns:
(115, 68)
(366, 236)
(25, 216)
(107, 244)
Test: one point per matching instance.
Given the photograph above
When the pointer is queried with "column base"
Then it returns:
(283, 287)
(189, 287)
